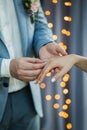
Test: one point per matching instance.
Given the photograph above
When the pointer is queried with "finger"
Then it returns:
(34, 60)
(43, 74)
(27, 79)
(57, 69)
(59, 74)
(29, 73)
(30, 66)
(61, 50)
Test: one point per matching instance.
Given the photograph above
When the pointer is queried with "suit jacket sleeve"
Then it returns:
(42, 34)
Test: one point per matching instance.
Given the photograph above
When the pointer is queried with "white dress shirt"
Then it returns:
(14, 46)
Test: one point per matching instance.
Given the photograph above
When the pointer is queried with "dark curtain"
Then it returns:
(55, 95)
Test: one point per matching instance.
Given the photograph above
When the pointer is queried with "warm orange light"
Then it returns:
(67, 75)
(68, 18)
(48, 97)
(65, 107)
(47, 12)
(65, 91)
(56, 105)
(57, 97)
(68, 4)
(64, 47)
(42, 85)
(50, 25)
(61, 43)
(55, 37)
(65, 78)
(68, 101)
(54, 1)
(62, 84)
(66, 32)
(63, 114)
(69, 126)
(48, 74)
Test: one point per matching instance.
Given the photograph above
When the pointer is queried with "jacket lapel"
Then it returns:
(22, 24)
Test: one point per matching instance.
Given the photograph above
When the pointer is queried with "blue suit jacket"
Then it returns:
(33, 37)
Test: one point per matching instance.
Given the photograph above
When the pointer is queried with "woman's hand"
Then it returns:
(63, 63)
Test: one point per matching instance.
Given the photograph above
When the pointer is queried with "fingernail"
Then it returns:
(53, 80)
(45, 62)
(38, 82)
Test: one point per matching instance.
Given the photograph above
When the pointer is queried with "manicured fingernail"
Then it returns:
(53, 80)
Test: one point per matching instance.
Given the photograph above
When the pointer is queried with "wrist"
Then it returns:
(77, 59)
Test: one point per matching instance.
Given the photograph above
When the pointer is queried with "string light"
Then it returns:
(66, 32)
(62, 84)
(68, 101)
(61, 43)
(48, 97)
(63, 114)
(55, 37)
(69, 126)
(66, 77)
(68, 4)
(65, 107)
(56, 105)
(57, 96)
(50, 25)
(48, 74)
(42, 85)
(47, 12)
(54, 1)
(65, 91)
(68, 18)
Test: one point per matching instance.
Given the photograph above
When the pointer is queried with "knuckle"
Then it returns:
(19, 73)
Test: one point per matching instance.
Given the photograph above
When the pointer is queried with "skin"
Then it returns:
(63, 65)
(28, 69)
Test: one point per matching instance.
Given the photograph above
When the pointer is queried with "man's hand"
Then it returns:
(51, 50)
(26, 69)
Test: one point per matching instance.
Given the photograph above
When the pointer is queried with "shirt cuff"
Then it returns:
(5, 68)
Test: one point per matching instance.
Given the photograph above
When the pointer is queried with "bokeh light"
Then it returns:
(68, 18)
(47, 12)
(68, 101)
(68, 4)
(69, 126)
(63, 114)
(42, 85)
(63, 84)
(56, 105)
(65, 91)
(50, 25)
(48, 74)
(54, 1)
(65, 107)
(48, 97)
(57, 96)
(55, 37)
(66, 32)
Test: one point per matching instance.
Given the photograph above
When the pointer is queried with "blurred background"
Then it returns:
(65, 101)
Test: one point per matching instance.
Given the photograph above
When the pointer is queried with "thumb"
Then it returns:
(60, 50)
